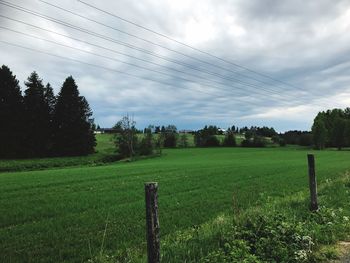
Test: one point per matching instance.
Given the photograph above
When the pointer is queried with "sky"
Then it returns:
(272, 63)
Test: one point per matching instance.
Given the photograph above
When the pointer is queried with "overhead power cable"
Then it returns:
(184, 44)
(140, 49)
(129, 74)
(137, 48)
(131, 64)
(118, 60)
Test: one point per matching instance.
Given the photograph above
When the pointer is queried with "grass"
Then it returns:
(104, 153)
(60, 215)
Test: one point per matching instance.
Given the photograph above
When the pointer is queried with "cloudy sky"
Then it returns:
(281, 61)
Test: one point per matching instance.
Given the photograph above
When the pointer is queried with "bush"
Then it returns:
(146, 145)
(257, 141)
(170, 139)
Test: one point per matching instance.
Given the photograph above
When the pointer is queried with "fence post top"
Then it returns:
(154, 184)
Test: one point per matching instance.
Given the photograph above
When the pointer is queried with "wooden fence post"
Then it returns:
(312, 182)
(152, 223)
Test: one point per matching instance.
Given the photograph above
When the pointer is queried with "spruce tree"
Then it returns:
(50, 101)
(11, 115)
(37, 117)
(49, 98)
(73, 134)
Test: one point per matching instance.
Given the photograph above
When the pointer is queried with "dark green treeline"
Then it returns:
(37, 123)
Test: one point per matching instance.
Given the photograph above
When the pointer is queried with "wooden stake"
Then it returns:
(312, 182)
(152, 223)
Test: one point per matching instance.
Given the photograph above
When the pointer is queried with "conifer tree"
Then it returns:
(50, 101)
(37, 135)
(11, 115)
(73, 134)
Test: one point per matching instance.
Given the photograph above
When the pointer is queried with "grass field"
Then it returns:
(105, 151)
(61, 215)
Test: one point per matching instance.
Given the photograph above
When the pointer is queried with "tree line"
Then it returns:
(38, 124)
(131, 142)
(331, 128)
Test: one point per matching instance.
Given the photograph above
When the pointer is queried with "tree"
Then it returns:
(50, 100)
(338, 133)
(11, 115)
(37, 117)
(183, 142)
(230, 140)
(170, 136)
(159, 143)
(73, 132)
(146, 146)
(126, 139)
(319, 133)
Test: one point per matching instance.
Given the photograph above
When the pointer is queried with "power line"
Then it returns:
(183, 72)
(156, 44)
(125, 44)
(184, 44)
(135, 47)
(123, 72)
(117, 60)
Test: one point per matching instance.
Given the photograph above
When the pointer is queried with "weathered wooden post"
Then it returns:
(312, 182)
(152, 223)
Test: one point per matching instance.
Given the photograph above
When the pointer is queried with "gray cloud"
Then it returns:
(299, 42)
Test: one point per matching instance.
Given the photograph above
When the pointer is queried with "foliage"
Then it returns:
(73, 134)
(230, 140)
(146, 145)
(170, 136)
(127, 142)
(207, 137)
(37, 118)
(255, 141)
(302, 138)
(332, 128)
(11, 115)
(41, 125)
(260, 131)
(319, 134)
(126, 139)
(183, 141)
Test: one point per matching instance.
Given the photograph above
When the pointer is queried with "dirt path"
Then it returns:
(344, 249)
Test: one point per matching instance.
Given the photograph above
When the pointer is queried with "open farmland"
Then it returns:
(62, 214)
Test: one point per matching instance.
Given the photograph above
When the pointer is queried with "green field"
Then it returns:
(61, 215)
(104, 152)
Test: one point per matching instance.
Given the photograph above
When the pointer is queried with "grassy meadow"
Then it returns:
(104, 152)
(77, 213)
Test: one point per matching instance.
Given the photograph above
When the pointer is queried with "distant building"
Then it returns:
(105, 130)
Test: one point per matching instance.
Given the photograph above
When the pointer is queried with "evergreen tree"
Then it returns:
(50, 101)
(73, 134)
(11, 115)
(49, 98)
(37, 115)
